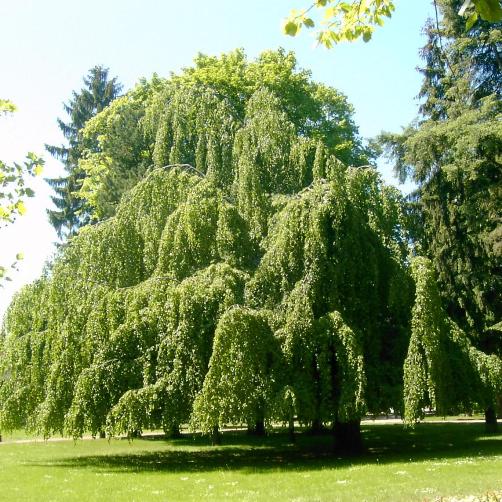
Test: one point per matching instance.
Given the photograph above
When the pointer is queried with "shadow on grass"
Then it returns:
(383, 444)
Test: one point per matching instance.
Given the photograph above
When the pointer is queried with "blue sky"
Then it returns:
(47, 46)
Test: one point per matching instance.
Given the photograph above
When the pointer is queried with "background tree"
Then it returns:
(443, 369)
(453, 154)
(99, 92)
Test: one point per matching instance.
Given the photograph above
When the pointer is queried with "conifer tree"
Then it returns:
(97, 93)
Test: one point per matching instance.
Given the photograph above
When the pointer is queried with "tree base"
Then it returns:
(317, 428)
(291, 431)
(174, 432)
(348, 438)
(216, 436)
(491, 425)
(258, 429)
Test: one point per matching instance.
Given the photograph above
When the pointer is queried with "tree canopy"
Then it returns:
(196, 118)
(453, 154)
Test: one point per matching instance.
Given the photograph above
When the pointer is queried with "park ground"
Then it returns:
(435, 461)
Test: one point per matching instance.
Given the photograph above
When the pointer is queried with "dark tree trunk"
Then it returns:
(259, 428)
(102, 434)
(316, 428)
(490, 420)
(291, 430)
(499, 406)
(174, 431)
(216, 436)
(348, 437)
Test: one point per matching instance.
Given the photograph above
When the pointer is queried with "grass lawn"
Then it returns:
(434, 460)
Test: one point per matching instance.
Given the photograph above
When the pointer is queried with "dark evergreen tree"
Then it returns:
(98, 92)
(462, 62)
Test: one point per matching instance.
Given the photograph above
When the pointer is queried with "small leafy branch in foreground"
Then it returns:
(349, 21)
(13, 188)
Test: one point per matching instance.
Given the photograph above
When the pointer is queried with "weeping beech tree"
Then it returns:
(250, 276)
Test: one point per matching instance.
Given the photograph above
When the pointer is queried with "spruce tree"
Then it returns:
(98, 92)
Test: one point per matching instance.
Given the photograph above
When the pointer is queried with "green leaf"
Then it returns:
(367, 36)
(20, 256)
(308, 22)
(471, 21)
(489, 10)
(21, 208)
(291, 28)
(321, 3)
(38, 170)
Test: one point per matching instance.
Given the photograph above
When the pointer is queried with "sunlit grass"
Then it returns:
(433, 460)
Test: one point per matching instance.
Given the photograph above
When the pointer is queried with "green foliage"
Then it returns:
(13, 187)
(26, 355)
(341, 21)
(339, 246)
(443, 369)
(349, 21)
(120, 151)
(453, 155)
(98, 92)
(199, 117)
(456, 163)
(6, 106)
(242, 377)
(254, 278)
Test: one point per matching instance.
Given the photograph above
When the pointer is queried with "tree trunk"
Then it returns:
(490, 420)
(174, 432)
(216, 436)
(316, 428)
(291, 429)
(259, 428)
(348, 437)
(499, 406)
(102, 434)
